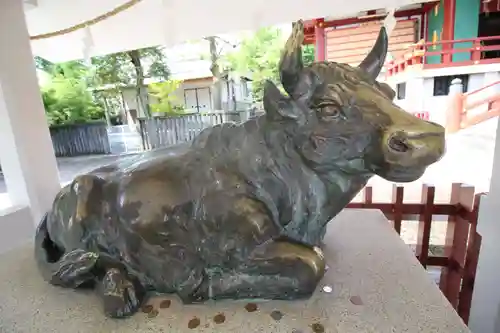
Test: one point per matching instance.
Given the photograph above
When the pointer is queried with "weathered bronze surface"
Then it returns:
(241, 211)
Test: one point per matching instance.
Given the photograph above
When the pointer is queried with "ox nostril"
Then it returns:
(398, 143)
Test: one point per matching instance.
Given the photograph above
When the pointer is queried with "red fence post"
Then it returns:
(449, 9)
(319, 34)
(424, 224)
(397, 201)
(454, 113)
(465, 297)
(456, 244)
(476, 53)
(368, 195)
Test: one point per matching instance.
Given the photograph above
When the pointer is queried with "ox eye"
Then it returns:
(330, 112)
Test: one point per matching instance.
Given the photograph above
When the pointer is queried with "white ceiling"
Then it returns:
(169, 22)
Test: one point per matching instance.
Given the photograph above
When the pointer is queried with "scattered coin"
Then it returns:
(153, 313)
(276, 315)
(165, 304)
(147, 308)
(193, 323)
(327, 289)
(318, 328)
(251, 307)
(356, 300)
(220, 318)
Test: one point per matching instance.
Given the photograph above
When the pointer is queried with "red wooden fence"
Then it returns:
(462, 242)
(461, 113)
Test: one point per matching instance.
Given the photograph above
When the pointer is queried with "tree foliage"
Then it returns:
(66, 96)
(74, 95)
(308, 55)
(164, 93)
(259, 54)
(68, 101)
(119, 68)
(132, 68)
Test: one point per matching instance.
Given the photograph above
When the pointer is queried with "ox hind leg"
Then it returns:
(279, 270)
(62, 257)
(122, 293)
(83, 205)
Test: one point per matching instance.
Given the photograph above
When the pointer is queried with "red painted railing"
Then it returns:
(459, 255)
(462, 110)
(419, 54)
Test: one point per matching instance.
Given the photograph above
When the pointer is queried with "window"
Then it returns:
(401, 90)
(442, 83)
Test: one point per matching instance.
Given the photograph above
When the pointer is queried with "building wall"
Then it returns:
(131, 102)
(351, 44)
(435, 21)
(242, 95)
(420, 97)
(466, 25)
(186, 95)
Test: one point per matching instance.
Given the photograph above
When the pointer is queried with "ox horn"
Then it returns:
(291, 65)
(374, 61)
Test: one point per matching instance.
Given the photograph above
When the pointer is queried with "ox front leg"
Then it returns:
(280, 270)
(122, 295)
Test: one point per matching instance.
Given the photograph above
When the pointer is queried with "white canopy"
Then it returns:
(168, 22)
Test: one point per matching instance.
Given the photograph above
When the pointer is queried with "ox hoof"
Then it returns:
(74, 269)
(121, 297)
(199, 295)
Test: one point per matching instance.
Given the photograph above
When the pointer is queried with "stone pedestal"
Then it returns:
(374, 284)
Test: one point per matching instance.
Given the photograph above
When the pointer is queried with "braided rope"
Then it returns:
(87, 23)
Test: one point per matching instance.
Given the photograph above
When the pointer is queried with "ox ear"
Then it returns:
(291, 64)
(277, 106)
(387, 90)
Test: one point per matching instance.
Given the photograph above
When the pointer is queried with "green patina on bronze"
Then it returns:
(242, 210)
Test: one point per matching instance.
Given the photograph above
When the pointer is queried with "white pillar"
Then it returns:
(26, 152)
(485, 310)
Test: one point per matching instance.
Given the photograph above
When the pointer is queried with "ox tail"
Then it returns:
(47, 253)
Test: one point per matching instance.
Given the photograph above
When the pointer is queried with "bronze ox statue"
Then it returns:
(241, 211)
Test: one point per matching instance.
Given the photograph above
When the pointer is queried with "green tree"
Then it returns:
(68, 100)
(43, 64)
(66, 96)
(218, 66)
(132, 68)
(258, 54)
(164, 92)
(308, 55)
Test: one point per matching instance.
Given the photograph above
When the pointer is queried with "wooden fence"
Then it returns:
(467, 109)
(166, 131)
(462, 242)
(80, 139)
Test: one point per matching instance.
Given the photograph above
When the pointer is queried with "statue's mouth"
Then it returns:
(402, 174)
